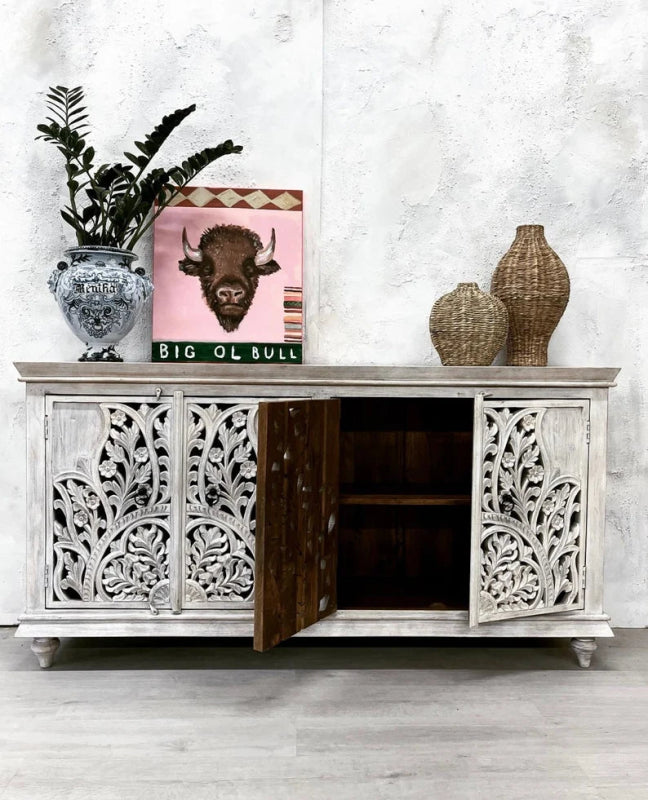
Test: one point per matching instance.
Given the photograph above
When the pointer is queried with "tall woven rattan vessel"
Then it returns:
(468, 327)
(533, 283)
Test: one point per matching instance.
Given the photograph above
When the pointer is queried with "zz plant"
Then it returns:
(110, 204)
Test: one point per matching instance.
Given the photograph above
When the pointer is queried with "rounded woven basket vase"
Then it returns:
(468, 327)
(533, 284)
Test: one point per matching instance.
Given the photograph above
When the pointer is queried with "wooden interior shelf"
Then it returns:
(403, 499)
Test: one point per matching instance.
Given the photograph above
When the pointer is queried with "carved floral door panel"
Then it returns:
(220, 502)
(296, 554)
(109, 495)
(529, 508)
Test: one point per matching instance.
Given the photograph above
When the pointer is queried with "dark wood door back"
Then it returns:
(297, 517)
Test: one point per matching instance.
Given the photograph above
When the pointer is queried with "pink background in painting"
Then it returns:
(180, 312)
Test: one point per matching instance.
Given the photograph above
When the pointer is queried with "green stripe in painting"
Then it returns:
(235, 353)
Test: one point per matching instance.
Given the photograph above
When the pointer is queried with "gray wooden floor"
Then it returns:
(116, 720)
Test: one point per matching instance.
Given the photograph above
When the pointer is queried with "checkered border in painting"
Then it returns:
(203, 197)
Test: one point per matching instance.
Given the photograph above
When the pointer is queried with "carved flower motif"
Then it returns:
(118, 418)
(558, 522)
(248, 469)
(536, 474)
(548, 506)
(91, 499)
(80, 519)
(508, 460)
(215, 455)
(238, 418)
(528, 422)
(141, 454)
(108, 468)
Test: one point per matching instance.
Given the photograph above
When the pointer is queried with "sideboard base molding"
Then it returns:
(340, 624)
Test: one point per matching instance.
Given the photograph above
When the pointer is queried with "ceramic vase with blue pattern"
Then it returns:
(100, 296)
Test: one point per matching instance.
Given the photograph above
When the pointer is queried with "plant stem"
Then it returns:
(94, 187)
(140, 231)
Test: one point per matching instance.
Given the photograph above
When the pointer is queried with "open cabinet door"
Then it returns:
(297, 517)
(528, 518)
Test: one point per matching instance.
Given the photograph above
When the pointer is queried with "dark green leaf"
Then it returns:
(74, 98)
(71, 220)
(55, 122)
(60, 116)
(140, 161)
(90, 212)
(177, 175)
(154, 140)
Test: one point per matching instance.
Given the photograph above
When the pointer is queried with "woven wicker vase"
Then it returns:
(468, 327)
(534, 285)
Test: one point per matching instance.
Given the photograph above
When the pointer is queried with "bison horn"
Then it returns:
(267, 254)
(192, 253)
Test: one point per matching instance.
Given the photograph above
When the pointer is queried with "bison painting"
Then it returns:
(229, 261)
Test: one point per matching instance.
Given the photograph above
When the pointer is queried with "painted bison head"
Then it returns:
(229, 261)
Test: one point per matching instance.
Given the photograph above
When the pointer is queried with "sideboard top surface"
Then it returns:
(303, 375)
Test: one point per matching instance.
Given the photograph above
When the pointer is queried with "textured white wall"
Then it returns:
(443, 126)
(254, 69)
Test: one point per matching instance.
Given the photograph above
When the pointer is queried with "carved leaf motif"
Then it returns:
(134, 574)
(142, 473)
(208, 544)
(213, 473)
(61, 533)
(115, 451)
(218, 563)
(75, 568)
(149, 546)
(232, 577)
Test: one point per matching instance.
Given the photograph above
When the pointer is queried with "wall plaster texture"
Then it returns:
(422, 134)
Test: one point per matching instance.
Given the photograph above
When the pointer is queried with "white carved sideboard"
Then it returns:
(202, 500)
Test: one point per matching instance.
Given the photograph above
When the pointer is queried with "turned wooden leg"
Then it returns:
(44, 648)
(584, 649)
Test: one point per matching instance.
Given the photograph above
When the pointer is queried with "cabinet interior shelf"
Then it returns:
(401, 499)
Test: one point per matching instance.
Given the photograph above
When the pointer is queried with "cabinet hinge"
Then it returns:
(46, 576)
(584, 577)
(46, 426)
(587, 432)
